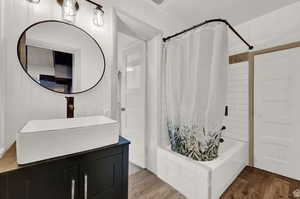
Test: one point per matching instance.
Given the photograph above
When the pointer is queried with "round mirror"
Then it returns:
(61, 57)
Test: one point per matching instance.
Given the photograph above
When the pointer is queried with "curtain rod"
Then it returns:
(210, 21)
(96, 4)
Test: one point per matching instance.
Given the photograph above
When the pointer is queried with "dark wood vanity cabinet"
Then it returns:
(31, 183)
(97, 174)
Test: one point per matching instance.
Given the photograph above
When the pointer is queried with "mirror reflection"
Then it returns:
(61, 57)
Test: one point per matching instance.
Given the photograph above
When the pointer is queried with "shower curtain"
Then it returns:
(195, 87)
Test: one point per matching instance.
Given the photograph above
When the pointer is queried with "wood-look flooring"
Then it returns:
(145, 185)
(251, 184)
(254, 183)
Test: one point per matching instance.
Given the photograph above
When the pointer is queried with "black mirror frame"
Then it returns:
(62, 22)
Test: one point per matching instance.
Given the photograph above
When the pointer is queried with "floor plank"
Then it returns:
(145, 185)
(259, 184)
(252, 183)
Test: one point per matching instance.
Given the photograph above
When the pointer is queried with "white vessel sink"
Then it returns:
(46, 139)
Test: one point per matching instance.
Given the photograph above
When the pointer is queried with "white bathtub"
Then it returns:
(203, 180)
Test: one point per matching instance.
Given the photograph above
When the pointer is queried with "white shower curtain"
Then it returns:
(195, 88)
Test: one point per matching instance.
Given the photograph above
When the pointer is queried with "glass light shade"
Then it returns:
(98, 17)
(69, 10)
(34, 1)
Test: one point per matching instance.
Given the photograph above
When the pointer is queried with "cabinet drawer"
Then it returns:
(100, 154)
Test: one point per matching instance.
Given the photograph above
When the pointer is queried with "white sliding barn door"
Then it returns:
(133, 101)
(277, 112)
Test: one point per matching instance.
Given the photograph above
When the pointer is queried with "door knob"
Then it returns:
(123, 109)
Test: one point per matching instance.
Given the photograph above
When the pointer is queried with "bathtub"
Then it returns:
(203, 180)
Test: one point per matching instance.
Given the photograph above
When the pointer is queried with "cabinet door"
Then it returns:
(46, 183)
(2, 187)
(102, 177)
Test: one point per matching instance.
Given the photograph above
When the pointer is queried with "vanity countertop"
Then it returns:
(8, 162)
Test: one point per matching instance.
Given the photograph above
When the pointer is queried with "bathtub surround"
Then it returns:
(195, 90)
(210, 179)
(237, 122)
(198, 179)
(246, 185)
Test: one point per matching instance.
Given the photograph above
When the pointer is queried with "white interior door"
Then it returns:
(133, 100)
(277, 112)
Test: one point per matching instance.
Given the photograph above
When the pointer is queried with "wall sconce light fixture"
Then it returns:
(69, 9)
(34, 1)
(98, 16)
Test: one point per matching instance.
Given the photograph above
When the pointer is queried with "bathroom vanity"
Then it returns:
(94, 174)
(75, 158)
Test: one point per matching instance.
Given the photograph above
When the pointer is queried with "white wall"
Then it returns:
(25, 100)
(149, 15)
(2, 82)
(278, 27)
(152, 94)
(154, 105)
